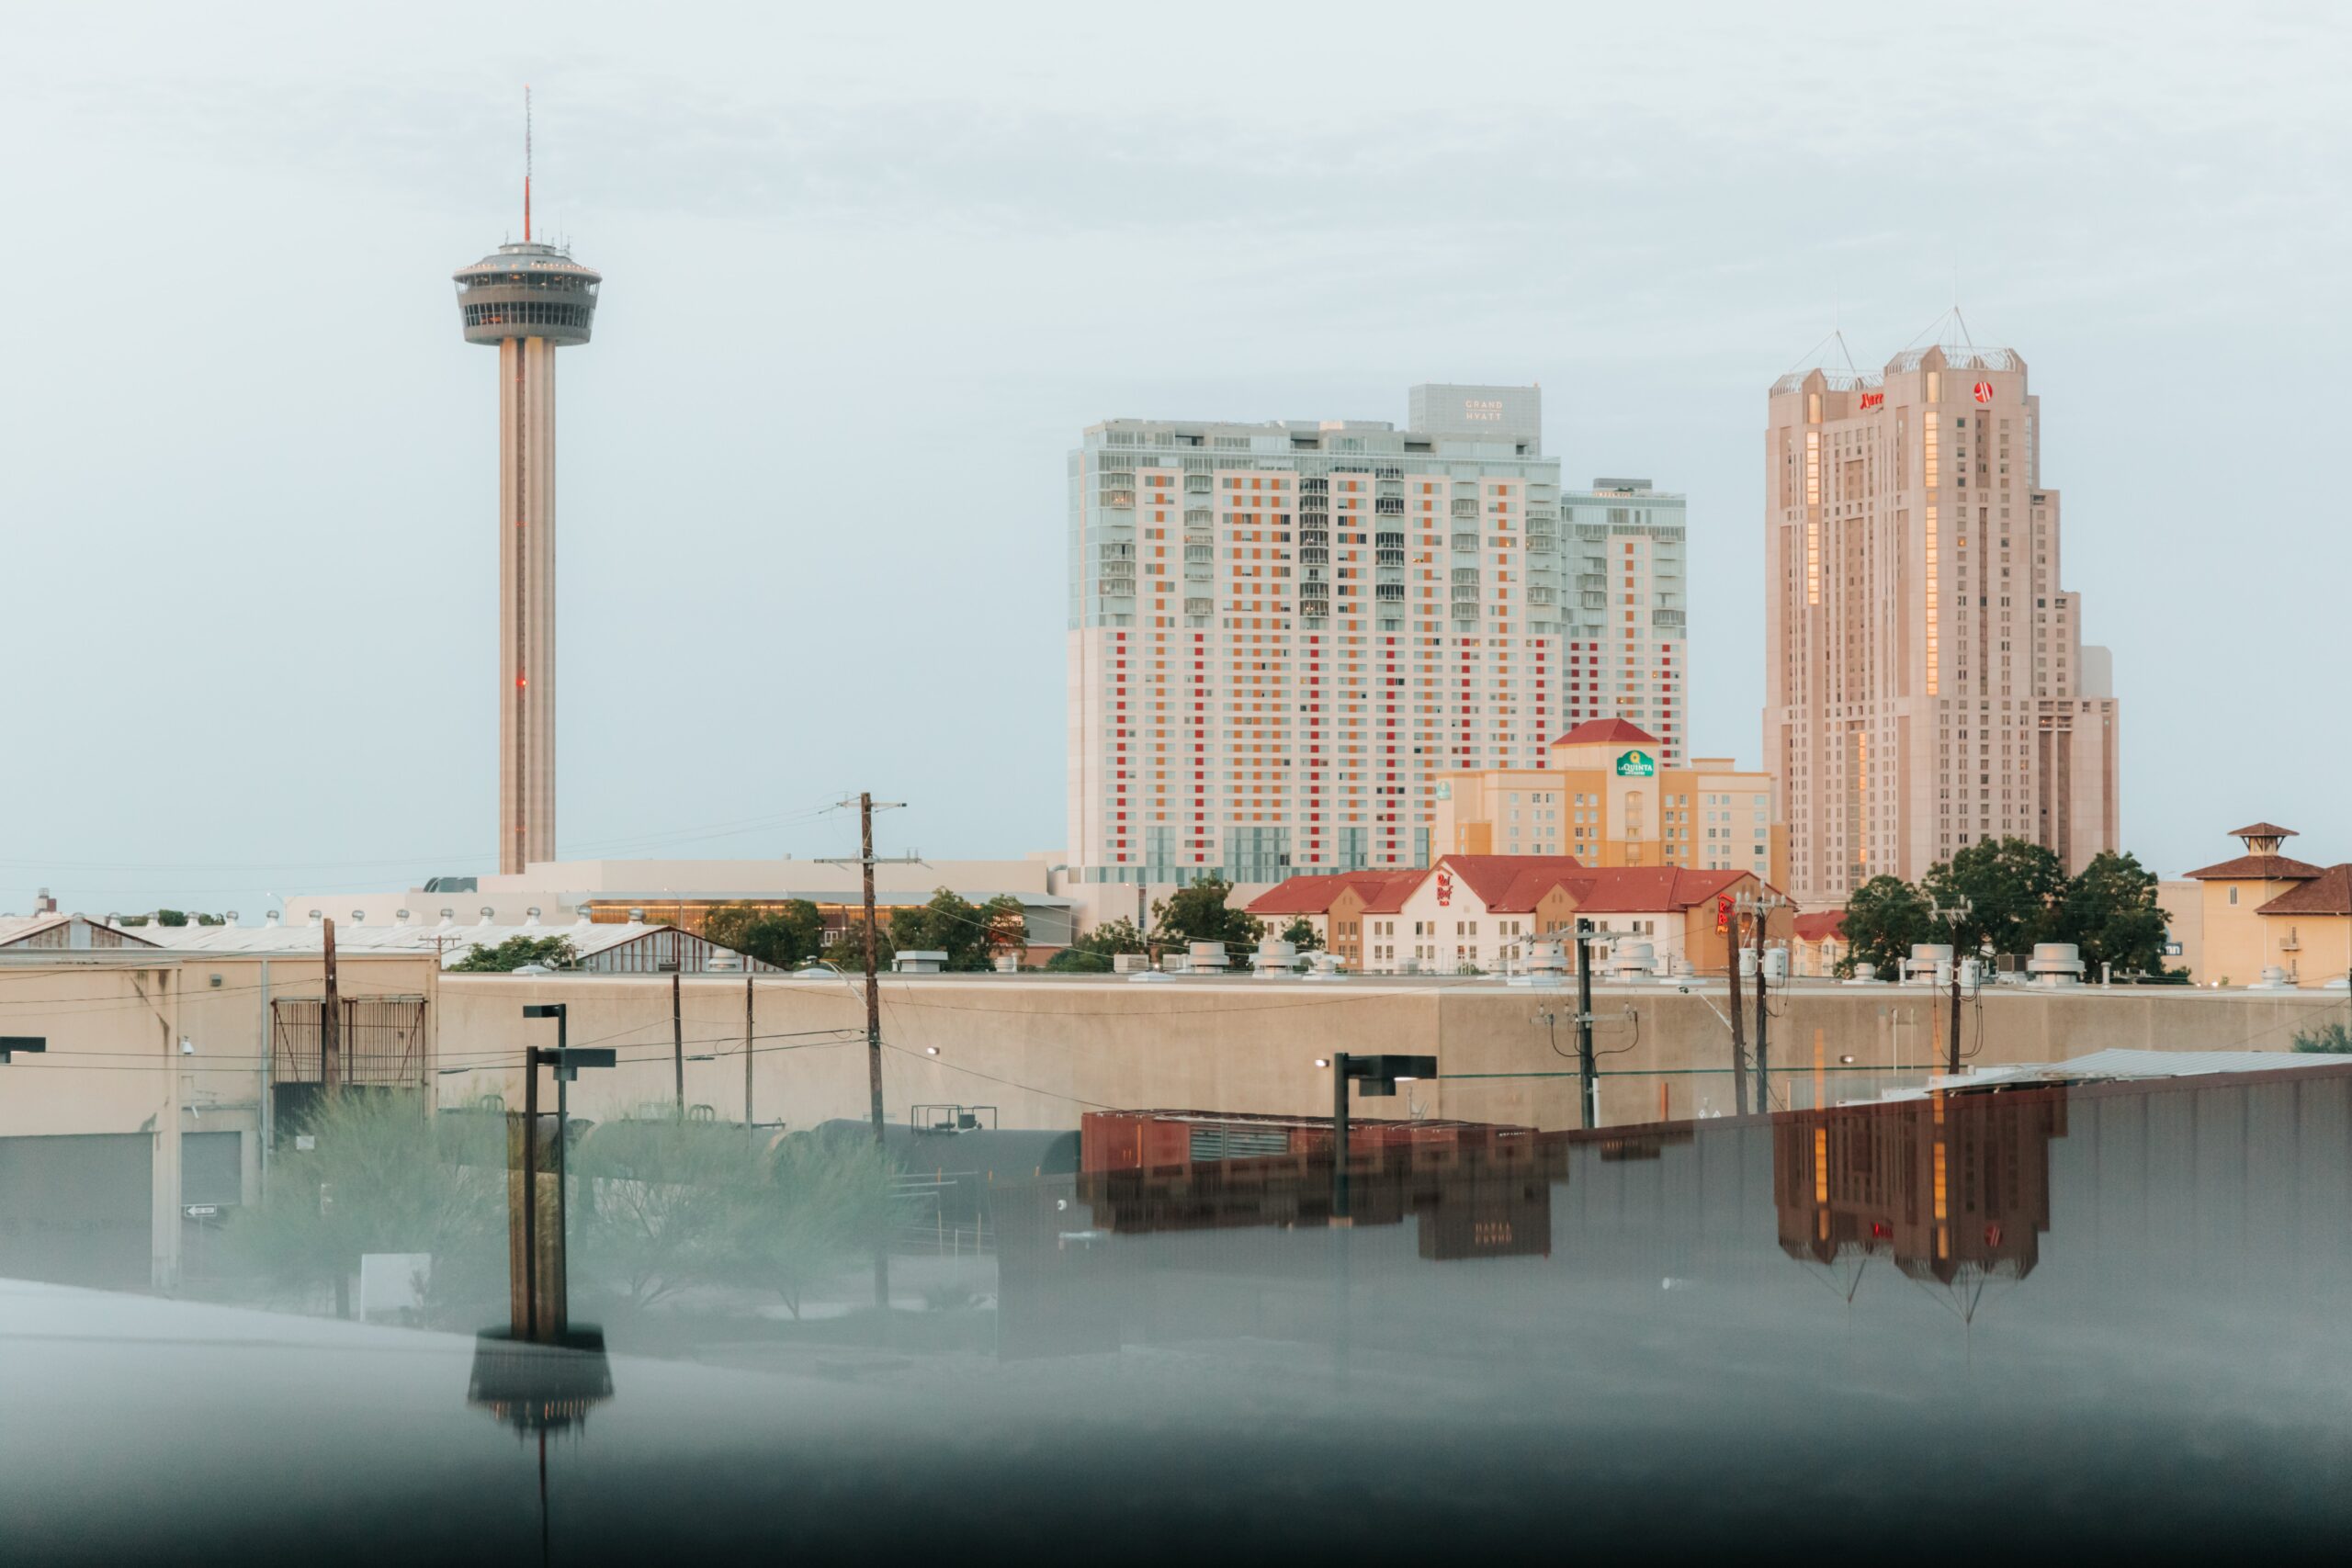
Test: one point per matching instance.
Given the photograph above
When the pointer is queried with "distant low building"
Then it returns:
(2267, 917)
(630, 947)
(51, 931)
(1817, 943)
(1479, 911)
(1609, 793)
(683, 893)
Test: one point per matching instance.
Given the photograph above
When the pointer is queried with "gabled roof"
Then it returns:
(2329, 893)
(1315, 894)
(1820, 925)
(2257, 868)
(15, 929)
(1512, 883)
(1646, 889)
(1607, 732)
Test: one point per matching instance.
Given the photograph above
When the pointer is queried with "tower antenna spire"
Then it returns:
(526, 163)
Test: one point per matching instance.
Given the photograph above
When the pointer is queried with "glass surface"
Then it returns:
(2109, 1317)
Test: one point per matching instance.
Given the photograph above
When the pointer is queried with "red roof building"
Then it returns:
(1478, 910)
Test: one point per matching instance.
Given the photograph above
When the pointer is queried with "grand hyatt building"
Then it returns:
(1281, 634)
(1926, 684)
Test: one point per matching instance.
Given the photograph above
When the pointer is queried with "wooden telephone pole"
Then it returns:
(331, 1026)
(866, 806)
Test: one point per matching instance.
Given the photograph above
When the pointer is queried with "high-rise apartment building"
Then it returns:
(1628, 625)
(1926, 683)
(1281, 633)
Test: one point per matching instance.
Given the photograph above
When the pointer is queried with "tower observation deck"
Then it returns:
(528, 301)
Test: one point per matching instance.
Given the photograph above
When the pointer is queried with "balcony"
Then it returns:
(1390, 591)
(1388, 557)
(1675, 619)
(1466, 593)
(1465, 509)
(1389, 505)
(1314, 555)
(1122, 499)
(1466, 543)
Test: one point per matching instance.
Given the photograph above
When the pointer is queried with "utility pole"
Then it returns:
(866, 806)
(331, 1026)
(747, 1043)
(1588, 1072)
(678, 1037)
(1953, 915)
(1738, 1039)
(1761, 907)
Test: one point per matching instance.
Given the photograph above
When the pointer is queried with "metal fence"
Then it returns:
(381, 1040)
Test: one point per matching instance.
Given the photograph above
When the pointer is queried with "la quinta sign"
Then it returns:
(1636, 766)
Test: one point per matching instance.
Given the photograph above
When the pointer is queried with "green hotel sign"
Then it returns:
(1636, 766)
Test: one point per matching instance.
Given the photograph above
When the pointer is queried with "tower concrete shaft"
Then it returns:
(528, 301)
(526, 602)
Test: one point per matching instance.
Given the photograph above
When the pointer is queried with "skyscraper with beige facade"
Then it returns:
(1281, 633)
(1926, 684)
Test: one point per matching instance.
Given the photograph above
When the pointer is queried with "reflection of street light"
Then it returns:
(1379, 1075)
(540, 1389)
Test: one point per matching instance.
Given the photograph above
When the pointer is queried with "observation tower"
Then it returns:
(527, 300)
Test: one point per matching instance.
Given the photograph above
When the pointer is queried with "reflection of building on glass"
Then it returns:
(1479, 1190)
(1953, 1190)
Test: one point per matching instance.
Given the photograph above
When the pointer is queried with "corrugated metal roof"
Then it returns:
(453, 940)
(2121, 1063)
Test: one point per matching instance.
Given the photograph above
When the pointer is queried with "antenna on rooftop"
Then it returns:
(526, 163)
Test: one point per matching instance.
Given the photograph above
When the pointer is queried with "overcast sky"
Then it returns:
(870, 270)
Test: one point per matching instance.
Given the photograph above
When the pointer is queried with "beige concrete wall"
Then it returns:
(114, 1023)
(1042, 1052)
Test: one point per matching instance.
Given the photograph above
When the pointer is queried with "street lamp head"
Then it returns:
(30, 1044)
(544, 1010)
(1322, 1061)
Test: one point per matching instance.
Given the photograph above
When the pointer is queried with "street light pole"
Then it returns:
(1759, 907)
(537, 1319)
(1953, 915)
(1588, 1065)
(1340, 1137)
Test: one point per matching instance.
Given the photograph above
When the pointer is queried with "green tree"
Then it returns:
(1199, 913)
(2332, 1038)
(846, 951)
(655, 1200)
(783, 936)
(1884, 916)
(2012, 887)
(1301, 933)
(554, 951)
(1111, 937)
(2109, 910)
(1091, 953)
(972, 935)
(823, 1202)
(381, 1178)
